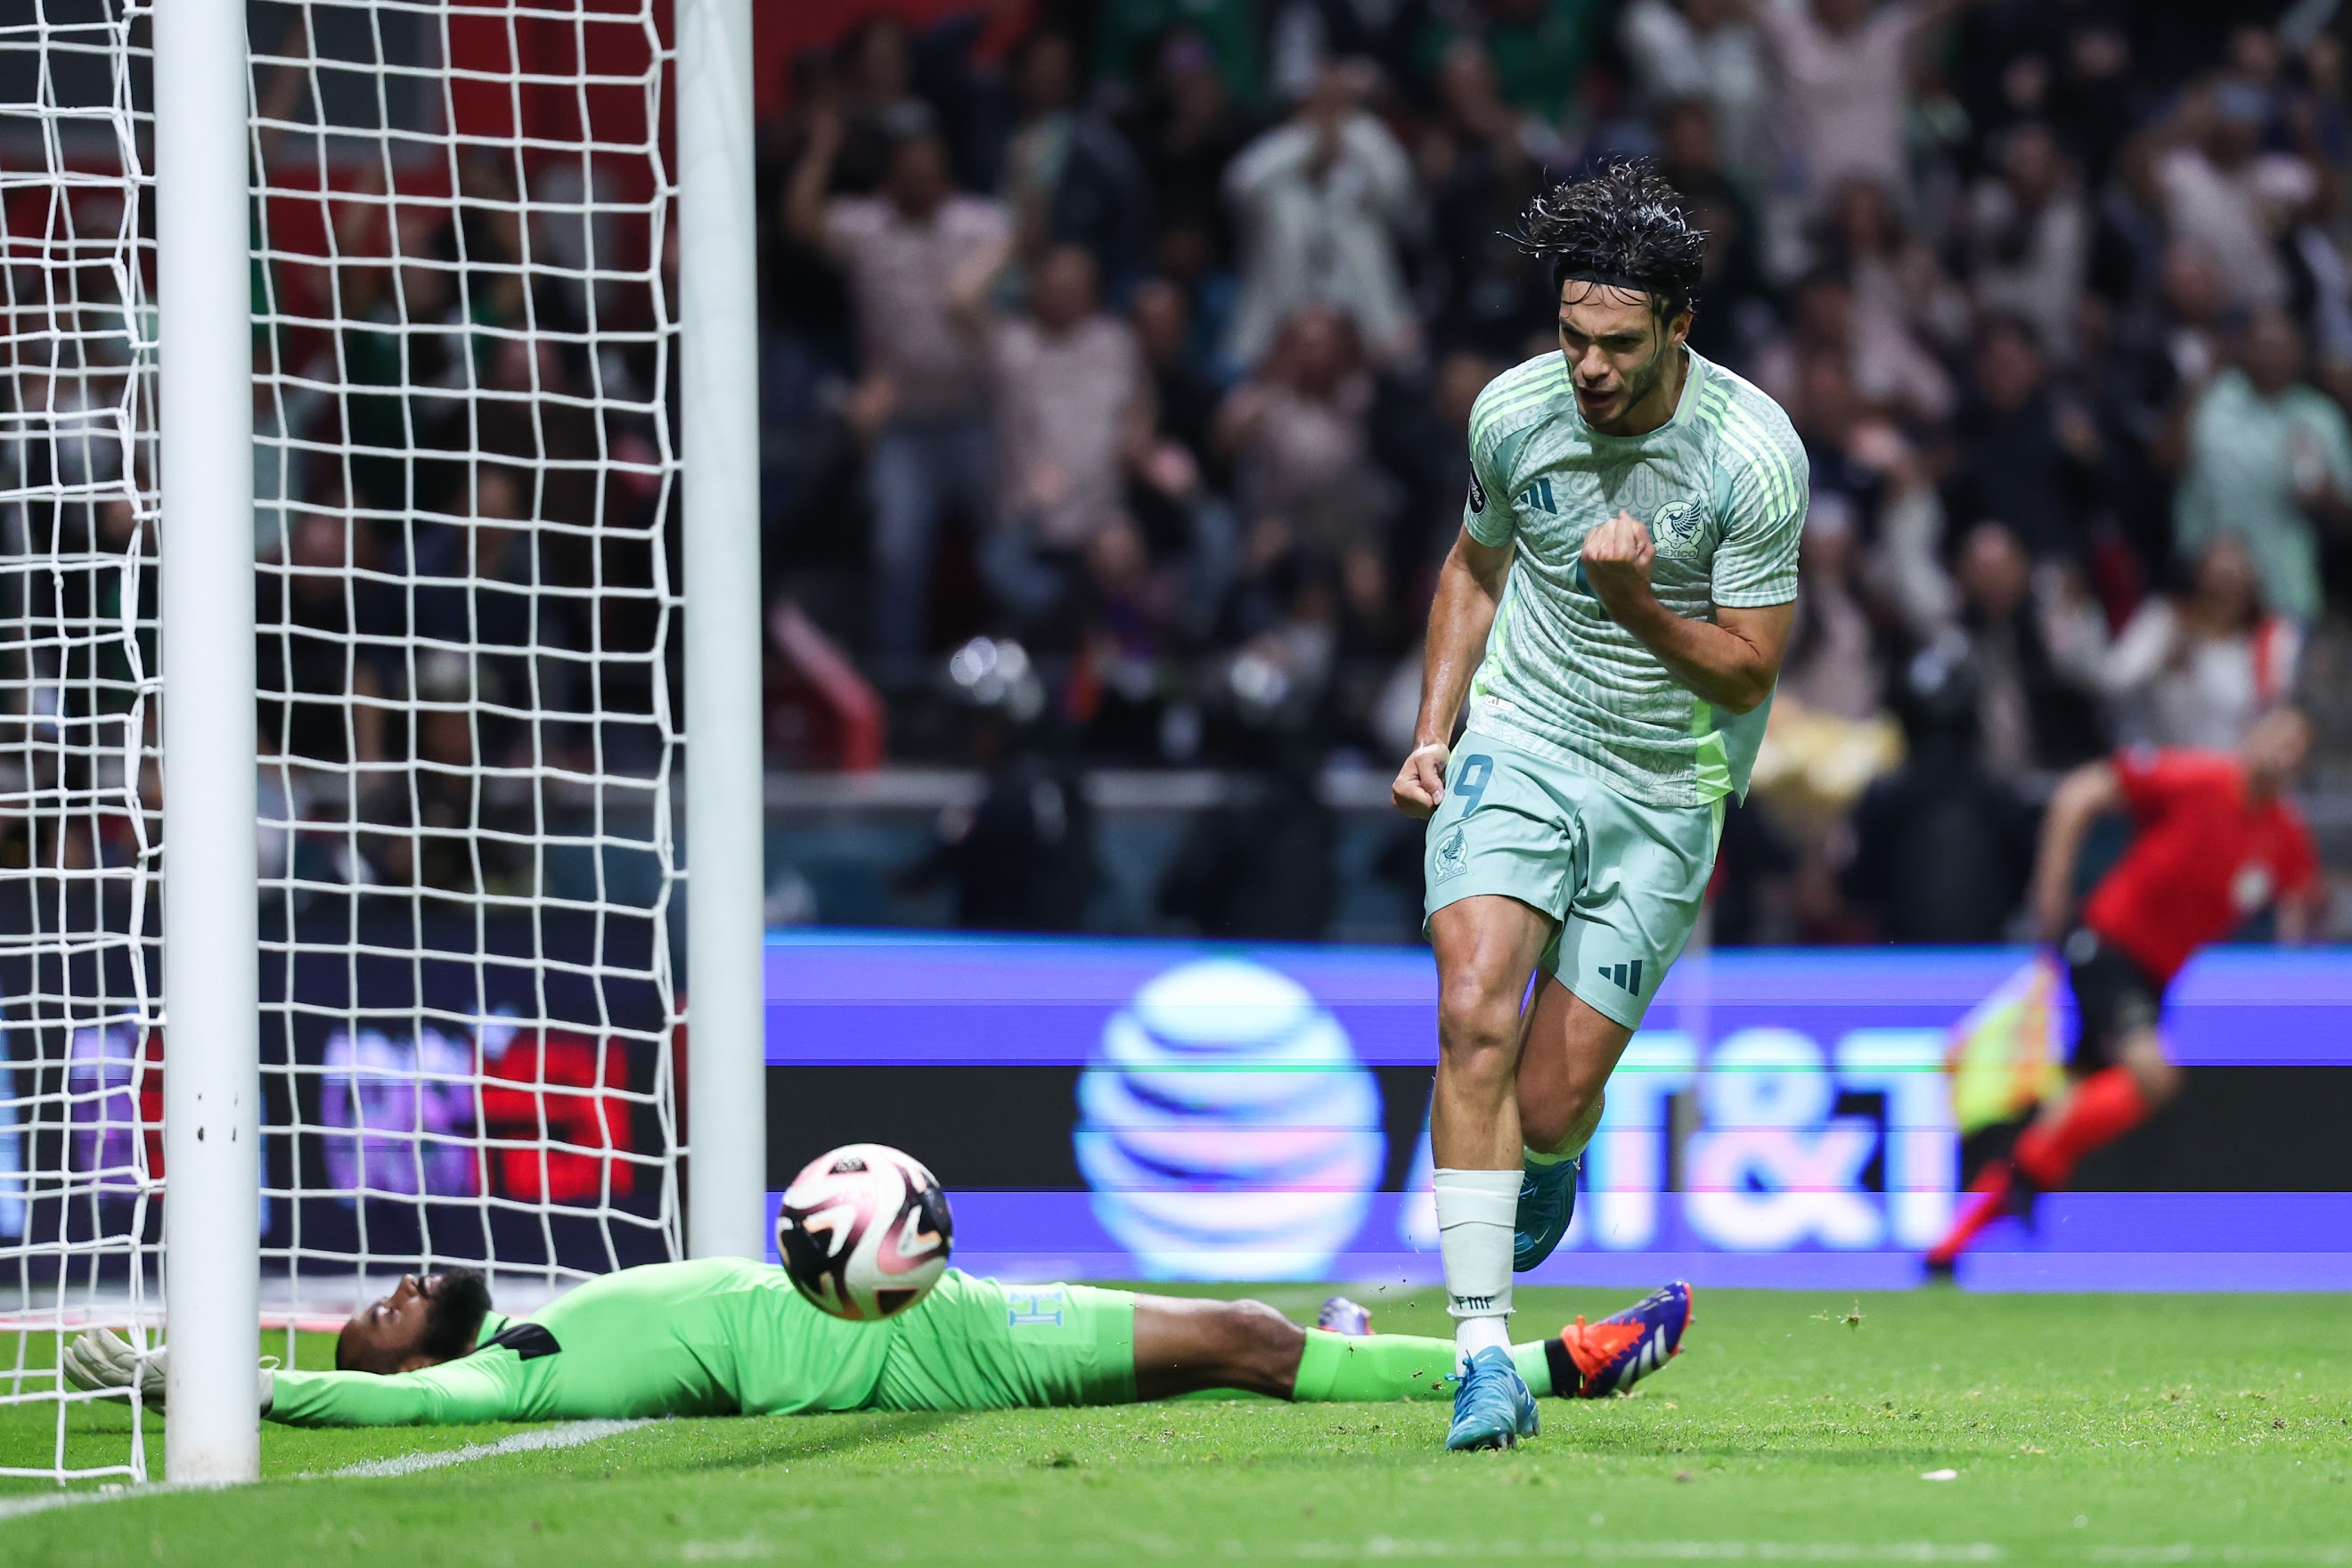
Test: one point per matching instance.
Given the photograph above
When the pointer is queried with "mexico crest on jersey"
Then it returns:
(1674, 529)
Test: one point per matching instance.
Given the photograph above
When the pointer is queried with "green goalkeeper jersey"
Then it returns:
(1721, 486)
(715, 1337)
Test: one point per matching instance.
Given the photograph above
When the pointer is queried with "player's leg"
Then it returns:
(2098, 1109)
(1499, 861)
(1487, 951)
(1566, 1052)
(1641, 882)
(1564, 1064)
(1185, 1345)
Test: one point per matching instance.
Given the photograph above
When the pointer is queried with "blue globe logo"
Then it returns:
(1226, 1128)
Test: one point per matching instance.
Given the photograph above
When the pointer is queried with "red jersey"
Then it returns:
(2203, 859)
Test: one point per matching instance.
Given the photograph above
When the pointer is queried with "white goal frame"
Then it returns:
(211, 1121)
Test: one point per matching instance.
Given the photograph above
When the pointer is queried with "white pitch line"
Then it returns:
(571, 1434)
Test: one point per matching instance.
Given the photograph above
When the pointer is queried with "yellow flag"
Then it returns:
(2002, 1056)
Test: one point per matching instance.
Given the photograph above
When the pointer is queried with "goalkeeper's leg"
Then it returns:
(980, 1344)
(1184, 1346)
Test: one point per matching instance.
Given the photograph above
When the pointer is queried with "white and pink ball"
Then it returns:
(865, 1231)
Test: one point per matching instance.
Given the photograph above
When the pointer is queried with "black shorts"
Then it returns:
(2113, 998)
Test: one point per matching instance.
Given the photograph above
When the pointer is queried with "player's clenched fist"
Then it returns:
(1421, 783)
(1617, 557)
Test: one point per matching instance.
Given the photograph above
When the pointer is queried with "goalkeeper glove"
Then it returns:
(102, 1359)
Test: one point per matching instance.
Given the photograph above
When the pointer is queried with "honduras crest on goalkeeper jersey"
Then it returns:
(1721, 486)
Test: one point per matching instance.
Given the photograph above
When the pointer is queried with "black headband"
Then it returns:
(1607, 281)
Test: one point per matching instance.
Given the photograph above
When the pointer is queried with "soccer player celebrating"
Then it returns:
(2217, 840)
(1623, 587)
(724, 1337)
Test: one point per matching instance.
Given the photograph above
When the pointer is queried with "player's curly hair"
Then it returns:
(1622, 225)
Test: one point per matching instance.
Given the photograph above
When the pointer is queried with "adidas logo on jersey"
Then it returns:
(1625, 977)
(1537, 497)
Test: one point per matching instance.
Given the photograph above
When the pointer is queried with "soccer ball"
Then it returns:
(864, 1231)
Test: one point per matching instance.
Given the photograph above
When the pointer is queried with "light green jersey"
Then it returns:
(722, 1337)
(1722, 487)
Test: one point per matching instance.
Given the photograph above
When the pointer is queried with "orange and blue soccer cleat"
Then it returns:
(1592, 1360)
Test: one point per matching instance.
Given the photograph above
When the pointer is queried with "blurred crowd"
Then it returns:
(1116, 357)
(1142, 351)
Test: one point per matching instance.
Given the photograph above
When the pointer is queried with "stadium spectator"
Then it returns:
(1184, 401)
(1832, 666)
(1942, 846)
(1479, 161)
(911, 255)
(2196, 669)
(1073, 410)
(1301, 449)
(2034, 647)
(1420, 443)
(1733, 288)
(1320, 199)
(1899, 284)
(2223, 193)
(1541, 48)
(1185, 127)
(1863, 468)
(2067, 66)
(1070, 178)
(1891, 371)
(2033, 456)
(2166, 352)
(2029, 232)
(888, 82)
(483, 603)
(2270, 459)
(1226, 30)
(1022, 857)
(1843, 75)
(1704, 53)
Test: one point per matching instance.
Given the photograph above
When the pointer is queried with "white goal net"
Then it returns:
(463, 475)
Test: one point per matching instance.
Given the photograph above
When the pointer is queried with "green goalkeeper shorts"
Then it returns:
(979, 1345)
(1624, 881)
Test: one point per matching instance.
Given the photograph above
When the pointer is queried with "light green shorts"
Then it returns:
(1624, 881)
(978, 1344)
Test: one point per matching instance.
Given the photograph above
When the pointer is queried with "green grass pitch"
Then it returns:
(1795, 1427)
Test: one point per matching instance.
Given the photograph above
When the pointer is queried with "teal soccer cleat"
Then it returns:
(1492, 1407)
(1546, 1203)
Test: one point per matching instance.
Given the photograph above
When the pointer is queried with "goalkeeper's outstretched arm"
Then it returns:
(476, 1388)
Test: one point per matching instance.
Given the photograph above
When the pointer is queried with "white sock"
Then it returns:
(1475, 1212)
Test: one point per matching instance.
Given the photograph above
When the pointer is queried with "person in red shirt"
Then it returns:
(2216, 841)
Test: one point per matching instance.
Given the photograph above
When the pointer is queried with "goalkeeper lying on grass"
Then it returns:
(722, 1337)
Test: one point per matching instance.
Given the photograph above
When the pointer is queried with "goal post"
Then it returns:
(212, 1093)
(720, 420)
